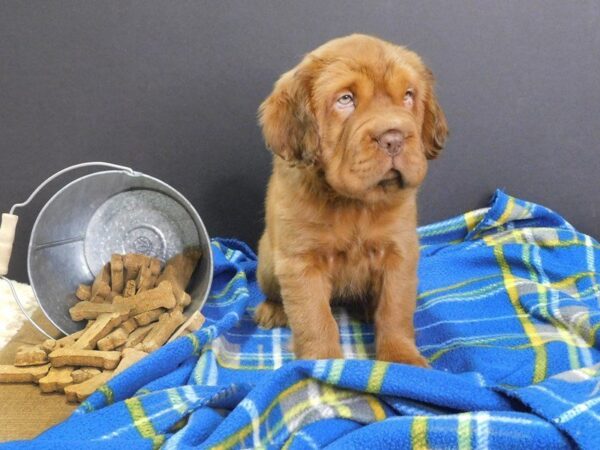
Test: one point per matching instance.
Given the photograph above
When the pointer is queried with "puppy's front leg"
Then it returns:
(306, 293)
(395, 335)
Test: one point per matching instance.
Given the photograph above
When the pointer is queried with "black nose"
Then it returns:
(391, 142)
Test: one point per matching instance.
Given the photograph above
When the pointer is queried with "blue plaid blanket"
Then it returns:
(508, 315)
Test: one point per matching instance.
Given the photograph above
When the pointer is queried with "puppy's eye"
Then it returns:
(409, 97)
(345, 101)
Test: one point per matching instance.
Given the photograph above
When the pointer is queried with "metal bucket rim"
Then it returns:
(184, 200)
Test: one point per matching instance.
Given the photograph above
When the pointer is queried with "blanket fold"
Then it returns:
(508, 315)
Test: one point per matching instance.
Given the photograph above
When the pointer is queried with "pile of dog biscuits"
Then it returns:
(132, 309)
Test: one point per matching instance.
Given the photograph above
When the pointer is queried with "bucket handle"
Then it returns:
(68, 169)
(9, 221)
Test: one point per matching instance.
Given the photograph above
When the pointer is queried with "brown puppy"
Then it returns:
(352, 127)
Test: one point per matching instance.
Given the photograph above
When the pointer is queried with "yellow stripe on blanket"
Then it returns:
(418, 433)
(541, 357)
(377, 375)
(142, 422)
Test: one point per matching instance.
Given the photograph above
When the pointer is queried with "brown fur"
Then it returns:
(335, 230)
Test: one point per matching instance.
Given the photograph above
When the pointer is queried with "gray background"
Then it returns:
(171, 88)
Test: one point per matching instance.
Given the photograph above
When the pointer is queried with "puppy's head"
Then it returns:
(361, 110)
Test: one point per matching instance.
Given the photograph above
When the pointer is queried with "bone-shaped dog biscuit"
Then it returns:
(149, 316)
(129, 325)
(64, 341)
(89, 310)
(115, 339)
(83, 292)
(117, 279)
(104, 324)
(129, 290)
(154, 271)
(101, 281)
(28, 355)
(138, 335)
(78, 357)
(111, 296)
(193, 323)
(84, 373)
(167, 324)
(31, 374)
(178, 271)
(159, 297)
(79, 392)
(169, 275)
(48, 345)
(119, 336)
(143, 279)
(133, 263)
(184, 265)
(101, 293)
(57, 379)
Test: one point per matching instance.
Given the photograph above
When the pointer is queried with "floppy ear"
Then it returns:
(435, 128)
(288, 123)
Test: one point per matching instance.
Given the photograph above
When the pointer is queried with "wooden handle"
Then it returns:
(7, 237)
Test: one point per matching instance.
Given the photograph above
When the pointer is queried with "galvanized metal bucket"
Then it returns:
(94, 216)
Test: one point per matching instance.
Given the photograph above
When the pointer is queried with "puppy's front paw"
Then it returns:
(270, 314)
(400, 351)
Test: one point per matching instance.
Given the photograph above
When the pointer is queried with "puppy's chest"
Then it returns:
(353, 254)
